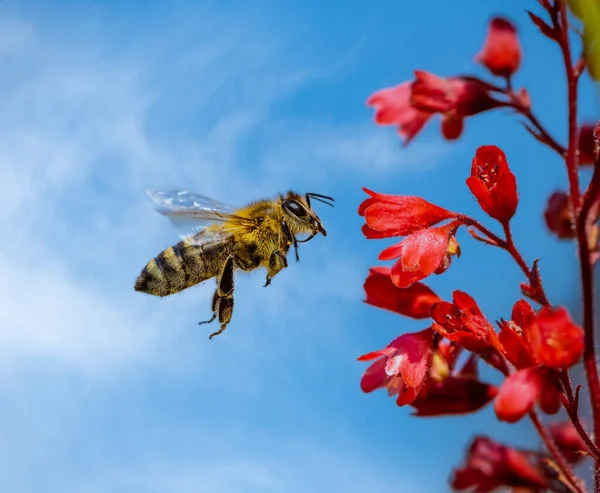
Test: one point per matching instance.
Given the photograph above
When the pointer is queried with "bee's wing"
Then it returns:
(191, 213)
(205, 236)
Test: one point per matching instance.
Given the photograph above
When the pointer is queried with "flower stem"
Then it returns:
(561, 462)
(512, 249)
(572, 408)
(587, 280)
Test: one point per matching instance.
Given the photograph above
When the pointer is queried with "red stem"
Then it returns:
(512, 249)
(565, 468)
(572, 408)
(587, 280)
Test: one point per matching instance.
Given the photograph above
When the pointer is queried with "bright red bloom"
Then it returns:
(490, 465)
(501, 53)
(461, 96)
(523, 389)
(587, 144)
(493, 184)
(402, 366)
(422, 253)
(462, 322)
(559, 342)
(413, 302)
(452, 396)
(549, 338)
(559, 215)
(393, 107)
(568, 440)
(400, 215)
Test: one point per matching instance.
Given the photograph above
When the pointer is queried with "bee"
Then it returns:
(225, 240)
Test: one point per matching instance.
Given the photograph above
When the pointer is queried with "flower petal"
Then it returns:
(413, 302)
(518, 395)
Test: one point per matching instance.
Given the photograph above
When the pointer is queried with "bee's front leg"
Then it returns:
(277, 261)
(290, 239)
(223, 298)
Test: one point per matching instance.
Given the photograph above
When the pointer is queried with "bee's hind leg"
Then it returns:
(215, 306)
(277, 261)
(223, 298)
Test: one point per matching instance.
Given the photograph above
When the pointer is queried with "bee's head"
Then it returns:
(300, 216)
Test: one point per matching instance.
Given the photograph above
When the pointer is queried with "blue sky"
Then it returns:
(105, 389)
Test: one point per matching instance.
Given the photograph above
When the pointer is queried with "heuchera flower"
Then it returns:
(493, 184)
(401, 367)
(537, 345)
(559, 215)
(411, 105)
(422, 253)
(568, 441)
(393, 107)
(490, 465)
(454, 97)
(463, 323)
(393, 215)
(414, 301)
(501, 52)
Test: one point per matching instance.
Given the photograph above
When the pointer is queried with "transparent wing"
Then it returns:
(206, 236)
(191, 213)
(183, 203)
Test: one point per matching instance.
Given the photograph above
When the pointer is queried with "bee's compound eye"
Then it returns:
(295, 208)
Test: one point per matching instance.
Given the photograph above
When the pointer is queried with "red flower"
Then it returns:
(568, 440)
(587, 144)
(501, 53)
(393, 215)
(401, 368)
(413, 302)
(523, 389)
(392, 107)
(493, 184)
(490, 465)
(461, 96)
(422, 253)
(559, 215)
(453, 395)
(462, 322)
(549, 338)
(558, 342)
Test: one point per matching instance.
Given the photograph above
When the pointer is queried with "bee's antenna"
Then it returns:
(321, 198)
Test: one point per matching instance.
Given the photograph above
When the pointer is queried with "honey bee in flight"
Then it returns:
(259, 234)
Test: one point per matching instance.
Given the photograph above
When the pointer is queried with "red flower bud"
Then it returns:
(421, 254)
(493, 184)
(501, 53)
(393, 107)
(393, 215)
(559, 215)
(413, 302)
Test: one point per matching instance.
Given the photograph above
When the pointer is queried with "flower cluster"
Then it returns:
(434, 371)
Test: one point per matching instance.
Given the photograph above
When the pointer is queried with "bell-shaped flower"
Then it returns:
(493, 183)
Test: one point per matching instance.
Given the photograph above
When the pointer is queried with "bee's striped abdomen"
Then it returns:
(181, 266)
